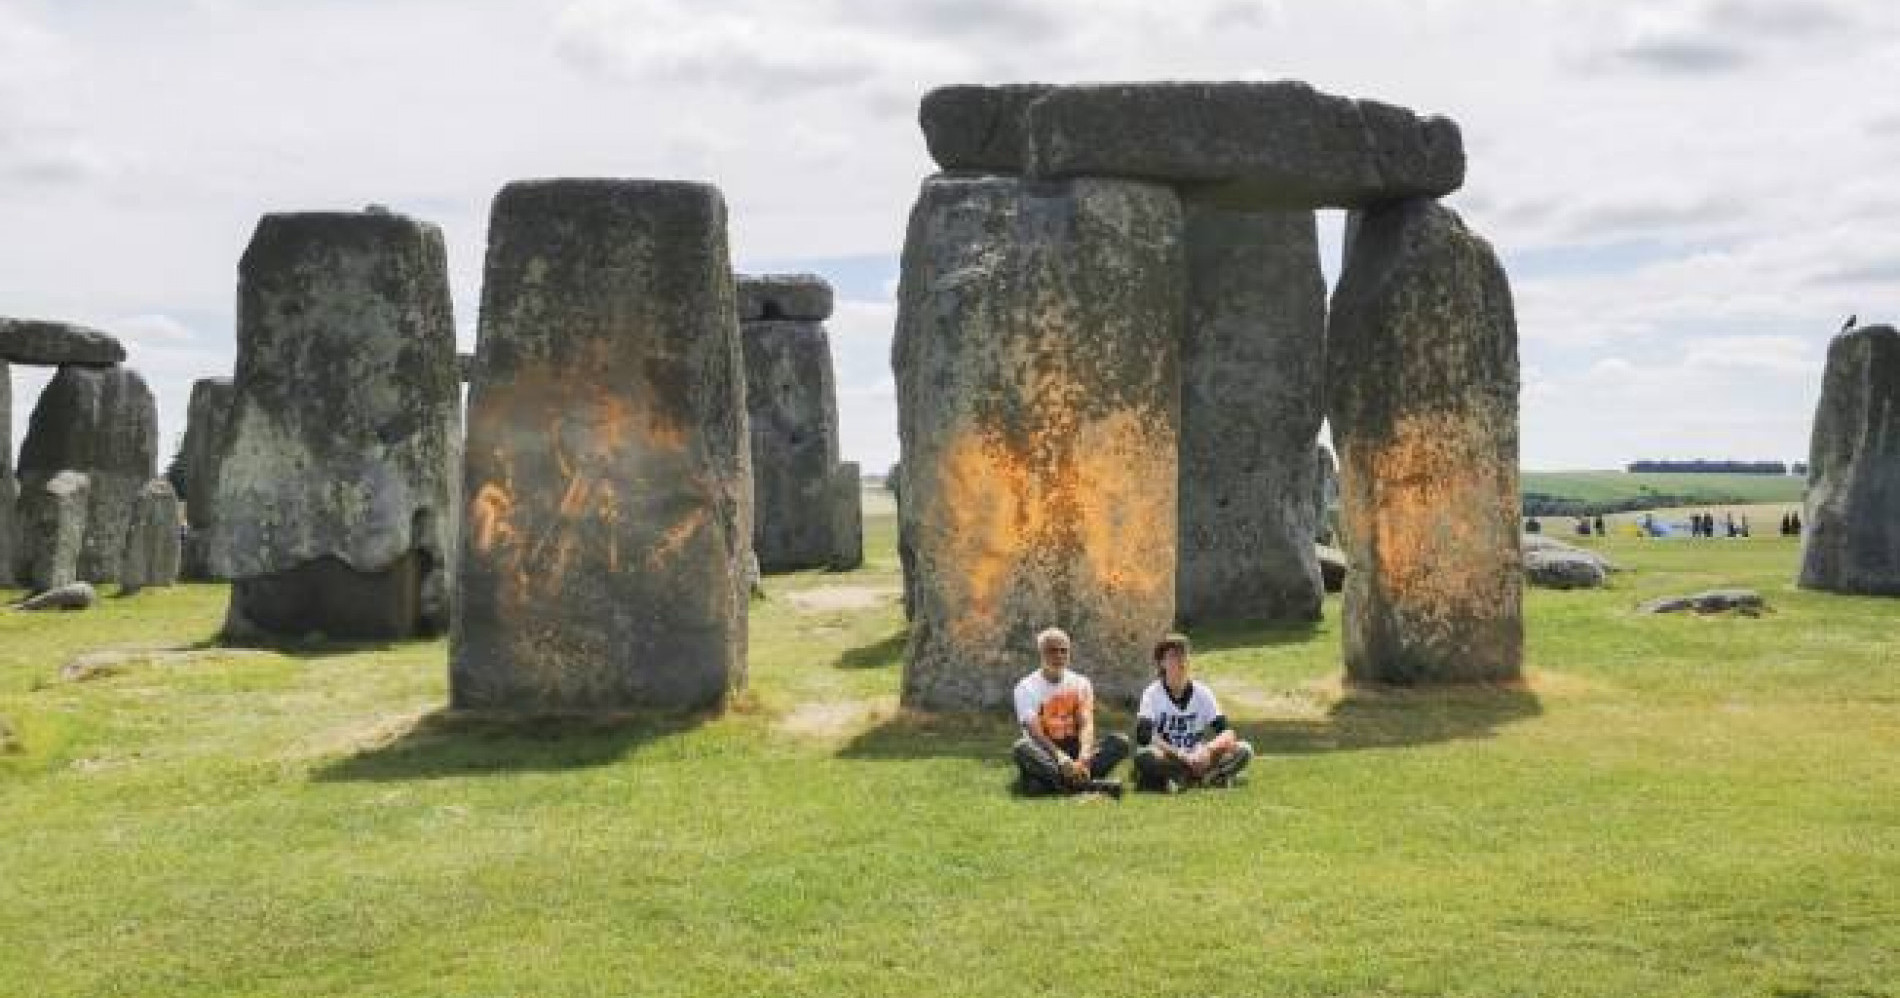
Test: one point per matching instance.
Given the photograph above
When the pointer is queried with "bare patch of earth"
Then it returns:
(102, 662)
(836, 720)
(825, 599)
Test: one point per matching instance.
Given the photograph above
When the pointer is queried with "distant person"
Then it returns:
(1795, 523)
(1583, 526)
(1784, 524)
(1055, 705)
(1649, 524)
(1728, 525)
(1744, 525)
(1182, 738)
(1531, 526)
(1599, 525)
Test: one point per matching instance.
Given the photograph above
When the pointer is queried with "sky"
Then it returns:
(1689, 195)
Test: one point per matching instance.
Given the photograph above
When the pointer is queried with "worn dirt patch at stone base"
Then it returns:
(825, 599)
(836, 720)
(102, 662)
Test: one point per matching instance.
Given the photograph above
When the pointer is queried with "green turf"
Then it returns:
(1676, 806)
(1655, 489)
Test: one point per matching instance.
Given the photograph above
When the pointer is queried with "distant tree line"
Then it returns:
(1544, 504)
(1714, 467)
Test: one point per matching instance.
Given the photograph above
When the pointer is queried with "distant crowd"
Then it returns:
(1700, 525)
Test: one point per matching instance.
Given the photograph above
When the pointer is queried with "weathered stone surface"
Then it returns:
(1038, 391)
(205, 423)
(325, 597)
(805, 297)
(609, 515)
(70, 596)
(905, 557)
(101, 421)
(1422, 396)
(844, 504)
(465, 367)
(1256, 145)
(52, 521)
(792, 410)
(37, 341)
(1851, 540)
(345, 420)
(1744, 601)
(1332, 567)
(151, 543)
(1545, 542)
(1326, 498)
(978, 128)
(1252, 376)
(9, 487)
(1558, 567)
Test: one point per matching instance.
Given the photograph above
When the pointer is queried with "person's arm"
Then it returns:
(1086, 729)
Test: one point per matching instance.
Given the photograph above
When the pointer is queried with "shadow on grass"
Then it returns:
(885, 652)
(448, 743)
(1362, 718)
(1386, 717)
(309, 646)
(1229, 636)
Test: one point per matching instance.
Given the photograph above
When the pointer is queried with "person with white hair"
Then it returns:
(1058, 751)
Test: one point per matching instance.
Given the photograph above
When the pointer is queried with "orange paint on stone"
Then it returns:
(1431, 548)
(675, 538)
(492, 507)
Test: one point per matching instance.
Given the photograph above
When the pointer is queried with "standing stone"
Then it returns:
(1326, 496)
(905, 557)
(1851, 540)
(53, 513)
(334, 499)
(1254, 145)
(844, 504)
(151, 545)
(38, 341)
(103, 422)
(792, 409)
(784, 296)
(609, 522)
(1038, 391)
(9, 488)
(1252, 375)
(205, 423)
(1422, 395)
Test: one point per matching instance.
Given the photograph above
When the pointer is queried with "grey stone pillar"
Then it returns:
(792, 410)
(1252, 380)
(608, 523)
(334, 482)
(101, 421)
(1422, 395)
(1038, 391)
(151, 545)
(844, 506)
(1850, 542)
(9, 488)
(205, 422)
(53, 515)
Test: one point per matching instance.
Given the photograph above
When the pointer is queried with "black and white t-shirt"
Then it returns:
(1184, 723)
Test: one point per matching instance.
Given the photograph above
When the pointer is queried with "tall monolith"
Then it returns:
(1252, 382)
(1422, 396)
(1851, 541)
(152, 543)
(792, 412)
(205, 420)
(608, 521)
(103, 422)
(52, 519)
(1038, 389)
(335, 487)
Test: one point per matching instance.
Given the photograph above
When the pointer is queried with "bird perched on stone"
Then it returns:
(1852, 321)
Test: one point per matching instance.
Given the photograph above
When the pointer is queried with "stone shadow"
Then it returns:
(308, 647)
(1362, 718)
(1228, 636)
(885, 652)
(449, 743)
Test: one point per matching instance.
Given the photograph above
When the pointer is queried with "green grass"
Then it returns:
(1685, 488)
(1674, 806)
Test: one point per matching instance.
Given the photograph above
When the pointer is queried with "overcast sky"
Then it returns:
(1690, 196)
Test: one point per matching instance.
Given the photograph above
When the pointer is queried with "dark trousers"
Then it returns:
(1040, 772)
(1154, 771)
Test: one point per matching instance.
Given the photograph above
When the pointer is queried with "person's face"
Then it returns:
(1174, 666)
(1055, 658)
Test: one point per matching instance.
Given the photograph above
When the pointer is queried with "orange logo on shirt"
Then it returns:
(1061, 715)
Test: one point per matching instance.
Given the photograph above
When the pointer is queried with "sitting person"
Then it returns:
(1183, 737)
(1056, 707)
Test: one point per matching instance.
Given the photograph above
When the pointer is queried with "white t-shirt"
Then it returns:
(1182, 725)
(1058, 704)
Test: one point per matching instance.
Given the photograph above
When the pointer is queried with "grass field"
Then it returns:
(1673, 806)
(1683, 488)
